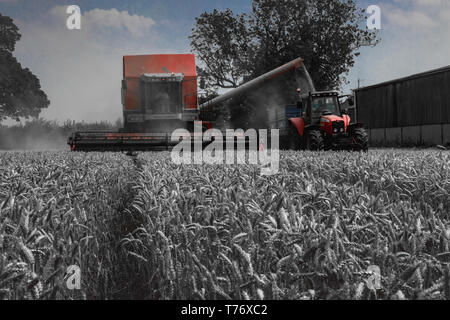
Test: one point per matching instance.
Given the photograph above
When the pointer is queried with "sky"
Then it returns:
(80, 70)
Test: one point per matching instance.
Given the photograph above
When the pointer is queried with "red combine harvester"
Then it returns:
(159, 95)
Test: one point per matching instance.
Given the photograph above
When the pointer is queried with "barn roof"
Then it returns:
(414, 76)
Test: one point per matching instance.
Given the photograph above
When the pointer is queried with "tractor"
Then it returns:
(318, 123)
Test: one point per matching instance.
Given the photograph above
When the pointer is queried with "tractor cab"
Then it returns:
(320, 105)
(324, 105)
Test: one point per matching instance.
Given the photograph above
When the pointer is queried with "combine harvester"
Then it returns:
(159, 95)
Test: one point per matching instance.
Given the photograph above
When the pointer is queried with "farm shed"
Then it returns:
(411, 110)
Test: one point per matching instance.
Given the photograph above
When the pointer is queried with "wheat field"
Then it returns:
(146, 228)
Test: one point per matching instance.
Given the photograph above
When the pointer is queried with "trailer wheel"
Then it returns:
(314, 140)
(361, 139)
(294, 140)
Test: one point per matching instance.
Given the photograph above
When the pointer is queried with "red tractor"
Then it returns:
(319, 123)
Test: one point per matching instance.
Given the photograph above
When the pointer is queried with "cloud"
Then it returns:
(81, 70)
(445, 15)
(430, 2)
(417, 13)
(398, 17)
(423, 3)
(136, 25)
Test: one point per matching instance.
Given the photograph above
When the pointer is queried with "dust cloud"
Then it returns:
(273, 95)
(44, 135)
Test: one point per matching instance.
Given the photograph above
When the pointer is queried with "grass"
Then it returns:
(150, 229)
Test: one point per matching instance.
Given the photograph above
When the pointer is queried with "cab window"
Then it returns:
(323, 104)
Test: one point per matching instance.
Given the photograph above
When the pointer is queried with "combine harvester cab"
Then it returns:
(159, 95)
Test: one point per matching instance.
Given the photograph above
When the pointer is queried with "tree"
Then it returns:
(326, 34)
(20, 90)
(222, 41)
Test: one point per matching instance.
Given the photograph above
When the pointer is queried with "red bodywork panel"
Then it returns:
(346, 121)
(299, 124)
(135, 66)
(327, 126)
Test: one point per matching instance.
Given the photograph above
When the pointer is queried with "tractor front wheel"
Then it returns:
(314, 140)
(361, 139)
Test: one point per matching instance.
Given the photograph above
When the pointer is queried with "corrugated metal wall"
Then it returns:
(424, 99)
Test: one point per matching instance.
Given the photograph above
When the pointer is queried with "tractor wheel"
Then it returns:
(314, 140)
(361, 139)
(294, 139)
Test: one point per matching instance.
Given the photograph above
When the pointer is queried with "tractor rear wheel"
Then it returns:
(361, 139)
(314, 140)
